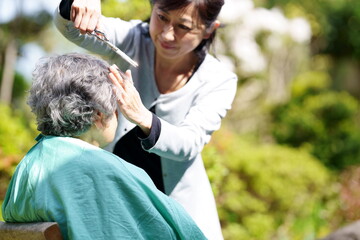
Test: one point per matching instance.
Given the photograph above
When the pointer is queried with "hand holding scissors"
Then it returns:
(86, 16)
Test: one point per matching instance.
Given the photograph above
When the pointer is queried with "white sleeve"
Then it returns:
(185, 141)
(120, 33)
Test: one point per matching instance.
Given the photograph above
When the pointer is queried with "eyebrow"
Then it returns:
(181, 19)
(186, 20)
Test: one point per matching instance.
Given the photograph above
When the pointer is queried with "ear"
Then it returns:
(211, 29)
(99, 121)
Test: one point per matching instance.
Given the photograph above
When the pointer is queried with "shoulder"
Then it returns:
(74, 152)
(74, 156)
(95, 158)
(143, 28)
(212, 69)
(100, 162)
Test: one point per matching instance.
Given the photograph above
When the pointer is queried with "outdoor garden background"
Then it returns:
(285, 164)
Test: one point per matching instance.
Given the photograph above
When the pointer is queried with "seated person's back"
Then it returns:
(67, 178)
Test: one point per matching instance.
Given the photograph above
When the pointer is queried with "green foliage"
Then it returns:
(268, 191)
(17, 135)
(343, 35)
(323, 121)
(20, 87)
(310, 83)
(126, 10)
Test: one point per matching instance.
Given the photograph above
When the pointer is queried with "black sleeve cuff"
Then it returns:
(65, 8)
(149, 141)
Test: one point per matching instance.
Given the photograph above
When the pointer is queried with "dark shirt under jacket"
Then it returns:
(129, 148)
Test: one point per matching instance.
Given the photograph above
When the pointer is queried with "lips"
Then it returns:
(166, 45)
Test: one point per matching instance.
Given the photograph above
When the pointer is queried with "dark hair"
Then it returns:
(208, 11)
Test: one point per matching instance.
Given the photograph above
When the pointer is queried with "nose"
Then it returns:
(168, 33)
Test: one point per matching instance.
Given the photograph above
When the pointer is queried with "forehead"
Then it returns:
(187, 13)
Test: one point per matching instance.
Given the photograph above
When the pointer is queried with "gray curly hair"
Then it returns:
(68, 91)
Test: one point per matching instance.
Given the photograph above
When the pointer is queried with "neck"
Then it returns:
(173, 75)
(93, 136)
(176, 66)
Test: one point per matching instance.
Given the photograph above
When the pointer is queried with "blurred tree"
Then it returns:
(268, 50)
(20, 86)
(14, 34)
(335, 27)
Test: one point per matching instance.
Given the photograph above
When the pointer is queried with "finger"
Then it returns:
(129, 76)
(72, 14)
(93, 22)
(74, 11)
(78, 18)
(115, 80)
(84, 24)
(116, 71)
(118, 90)
(99, 24)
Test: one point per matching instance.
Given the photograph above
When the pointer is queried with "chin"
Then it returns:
(168, 54)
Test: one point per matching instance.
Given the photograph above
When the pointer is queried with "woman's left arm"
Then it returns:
(185, 140)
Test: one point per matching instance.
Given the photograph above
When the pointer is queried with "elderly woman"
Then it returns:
(67, 178)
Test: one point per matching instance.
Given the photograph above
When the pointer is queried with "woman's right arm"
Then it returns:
(74, 18)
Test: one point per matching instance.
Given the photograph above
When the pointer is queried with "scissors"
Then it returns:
(101, 36)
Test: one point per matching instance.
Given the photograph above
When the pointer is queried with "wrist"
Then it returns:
(146, 122)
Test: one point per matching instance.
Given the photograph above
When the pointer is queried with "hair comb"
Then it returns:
(101, 36)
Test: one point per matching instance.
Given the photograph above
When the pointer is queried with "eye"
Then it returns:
(185, 27)
(162, 18)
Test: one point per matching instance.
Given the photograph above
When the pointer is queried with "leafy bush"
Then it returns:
(321, 120)
(16, 133)
(268, 191)
(16, 137)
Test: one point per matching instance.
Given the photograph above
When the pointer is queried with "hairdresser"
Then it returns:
(173, 101)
